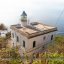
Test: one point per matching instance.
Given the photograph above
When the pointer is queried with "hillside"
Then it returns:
(54, 54)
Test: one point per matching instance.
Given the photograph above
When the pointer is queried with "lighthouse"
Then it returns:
(24, 19)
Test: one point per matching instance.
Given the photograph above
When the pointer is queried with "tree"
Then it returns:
(3, 27)
(8, 35)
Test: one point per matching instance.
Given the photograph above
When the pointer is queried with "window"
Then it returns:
(13, 35)
(34, 44)
(23, 43)
(51, 37)
(13, 44)
(44, 38)
(17, 39)
(0, 33)
(43, 47)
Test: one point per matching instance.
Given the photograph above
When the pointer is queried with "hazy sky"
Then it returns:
(46, 10)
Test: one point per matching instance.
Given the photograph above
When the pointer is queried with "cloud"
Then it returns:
(10, 10)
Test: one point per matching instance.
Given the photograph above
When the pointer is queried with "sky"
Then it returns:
(46, 11)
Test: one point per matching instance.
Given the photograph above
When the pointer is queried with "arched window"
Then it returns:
(0, 33)
(34, 44)
(13, 35)
(23, 43)
(51, 37)
(43, 47)
(17, 39)
(44, 38)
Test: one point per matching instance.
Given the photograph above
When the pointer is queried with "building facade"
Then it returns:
(32, 37)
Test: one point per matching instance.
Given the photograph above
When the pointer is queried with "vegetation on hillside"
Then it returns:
(54, 54)
(57, 45)
(4, 40)
(8, 35)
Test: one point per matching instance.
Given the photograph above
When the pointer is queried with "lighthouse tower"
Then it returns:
(24, 19)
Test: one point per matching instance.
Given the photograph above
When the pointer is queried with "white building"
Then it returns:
(3, 33)
(32, 37)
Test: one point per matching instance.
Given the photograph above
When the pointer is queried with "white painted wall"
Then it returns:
(40, 41)
(21, 39)
(29, 42)
(24, 23)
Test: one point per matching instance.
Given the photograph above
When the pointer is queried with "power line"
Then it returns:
(59, 16)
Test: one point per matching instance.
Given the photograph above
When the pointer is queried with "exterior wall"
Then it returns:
(40, 42)
(24, 23)
(20, 43)
(21, 38)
